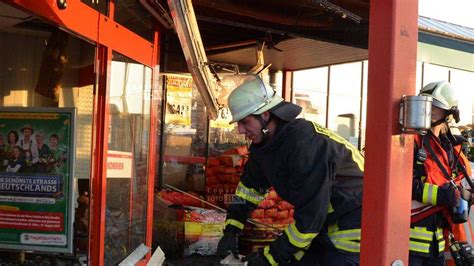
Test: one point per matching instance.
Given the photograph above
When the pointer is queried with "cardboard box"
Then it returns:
(184, 230)
(168, 229)
(202, 230)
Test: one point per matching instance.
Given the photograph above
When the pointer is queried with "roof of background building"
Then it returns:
(445, 34)
(445, 28)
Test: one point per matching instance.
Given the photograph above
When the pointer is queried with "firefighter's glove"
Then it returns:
(229, 242)
(449, 195)
(256, 259)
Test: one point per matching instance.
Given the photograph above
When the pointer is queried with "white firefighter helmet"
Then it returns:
(252, 97)
(444, 96)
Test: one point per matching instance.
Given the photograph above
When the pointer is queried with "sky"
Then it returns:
(454, 11)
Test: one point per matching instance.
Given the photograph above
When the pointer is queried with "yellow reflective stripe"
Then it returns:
(352, 234)
(421, 234)
(419, 247)
(430, 194)
(298, 255)
(347, 240)
(248, 194)
(347, 245)
(441, 246)
(356, 156)
(330, 208)
(439, 234)
(266, 253)
(333, 228)
(297, 238)
(235, 223)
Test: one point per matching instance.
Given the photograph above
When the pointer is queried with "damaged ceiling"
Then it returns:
(342, 22)
(298, 34)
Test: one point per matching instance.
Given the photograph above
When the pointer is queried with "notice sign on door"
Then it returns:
(119, 164)
(36, 173)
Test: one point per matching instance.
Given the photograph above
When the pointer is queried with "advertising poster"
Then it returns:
(36, 174)
(223, 118)
(179, 93)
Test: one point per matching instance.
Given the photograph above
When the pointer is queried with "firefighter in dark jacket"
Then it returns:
(441, 196)
(314, 169)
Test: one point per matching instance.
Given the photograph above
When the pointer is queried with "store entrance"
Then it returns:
(44, 71)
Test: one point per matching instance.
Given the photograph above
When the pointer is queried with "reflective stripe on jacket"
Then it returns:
(347, 240)
(421, 240)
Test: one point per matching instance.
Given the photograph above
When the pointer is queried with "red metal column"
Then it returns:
(287, 88)
(99, 161)
(97, 231)
(154, 117)
(393, 36)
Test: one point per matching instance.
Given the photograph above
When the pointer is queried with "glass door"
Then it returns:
(127, 158)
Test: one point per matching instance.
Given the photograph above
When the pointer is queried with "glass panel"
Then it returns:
(419, 73)
(364, 105)
(345, 101)
(132, 15)
(100, 5)
(185, 134)
(433, 73)
(227, 150)
(310, 92)
(127, 160)
(276, 81)
(42, 66)
(463, 82)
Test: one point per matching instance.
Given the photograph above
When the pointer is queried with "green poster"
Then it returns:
(36, 174)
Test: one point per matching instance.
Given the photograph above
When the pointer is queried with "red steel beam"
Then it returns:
(393, 36)
(99, 162)
(81, 19)
(184, 159)
(155, 115)
(287, 85)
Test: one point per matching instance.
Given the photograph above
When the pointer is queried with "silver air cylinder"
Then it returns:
(415, 114)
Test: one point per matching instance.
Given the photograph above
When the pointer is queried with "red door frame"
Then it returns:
(393, 37)
(109, 36)
(88, 23)
(154, 117)
(99, 161)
